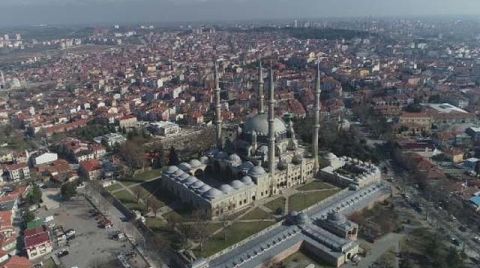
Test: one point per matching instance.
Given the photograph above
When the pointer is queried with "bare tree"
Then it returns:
(200, 228)
(154, 205)
(139, 193)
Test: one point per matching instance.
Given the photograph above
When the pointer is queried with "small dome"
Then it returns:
(184, 166)
(197, 184)
(246, 166)
(212, 193)
(302, 218)
(178, 172)
(190, 180)
(225, 188)
(256, 171)
(195, 163)
(235, 160)
(331, 156)
(336, 217)
(204, 160)
(183, 177)
(297, 159)
(294, 213)
(204, 188)
(247, 180)
(237, 184)
(263, 150)
(171, 169)
(221, 155)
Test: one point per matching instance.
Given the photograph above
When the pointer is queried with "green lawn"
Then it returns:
(113, 187)
(147, 175)
(257, 214)
(276, 203)
(304, 200)
(315, 185)
(125, 197)
(142, 177)
(235, 233)
(155, 223)
(128, 200)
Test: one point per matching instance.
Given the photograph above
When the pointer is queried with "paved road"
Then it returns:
(380, 247)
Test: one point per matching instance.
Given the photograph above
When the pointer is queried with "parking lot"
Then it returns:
(92, 245)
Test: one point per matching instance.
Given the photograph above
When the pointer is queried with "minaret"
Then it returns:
(218, 108)
(317, 120)
(2, 81)
(271, 120)
(261, 97)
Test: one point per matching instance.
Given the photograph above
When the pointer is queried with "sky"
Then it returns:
(33, 12)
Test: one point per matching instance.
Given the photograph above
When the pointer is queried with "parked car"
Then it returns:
(70, 233)
(62, 253)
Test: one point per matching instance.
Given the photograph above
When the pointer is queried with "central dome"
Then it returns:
(259, 124)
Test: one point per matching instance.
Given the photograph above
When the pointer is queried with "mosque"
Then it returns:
(267, 160)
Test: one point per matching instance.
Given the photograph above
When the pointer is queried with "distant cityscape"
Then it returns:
(346, 142)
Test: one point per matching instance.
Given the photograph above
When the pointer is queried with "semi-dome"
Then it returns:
(212, 193)
(225, 188)
(171, 169)
(195, 163)
(237, 184)
(256, 171)
(247, 180)
(259, 124)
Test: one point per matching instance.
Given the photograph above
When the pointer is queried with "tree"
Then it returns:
(138, 192)
(34, 197)
(29, 216)
(154, 205)
(68, 190)
(200, 228)
(173, 159)
(133, 153)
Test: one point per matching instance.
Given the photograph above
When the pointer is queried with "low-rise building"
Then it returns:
(17, 172)
(163, 128)
(37, 242)
(91, 169)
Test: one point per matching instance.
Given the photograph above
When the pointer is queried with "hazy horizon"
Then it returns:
(34, 12)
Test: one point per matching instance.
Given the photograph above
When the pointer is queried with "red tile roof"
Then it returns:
(17, 262)
(38, 239)
(91, 165)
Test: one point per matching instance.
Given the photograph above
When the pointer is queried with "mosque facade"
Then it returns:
(267, 160)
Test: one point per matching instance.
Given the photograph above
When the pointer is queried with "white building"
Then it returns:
(44, 158)
(163, 128)
(350, 172)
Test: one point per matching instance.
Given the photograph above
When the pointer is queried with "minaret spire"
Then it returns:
(261, 97)
(218, 108)
(317, 120)
(271, 120)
